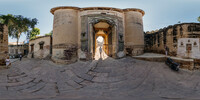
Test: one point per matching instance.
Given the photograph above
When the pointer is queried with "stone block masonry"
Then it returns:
(3, 44)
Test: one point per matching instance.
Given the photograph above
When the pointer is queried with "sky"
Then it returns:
(158, 13)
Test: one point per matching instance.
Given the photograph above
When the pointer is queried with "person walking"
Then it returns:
(100, 51)
(166, 50)
(20, 57)
(8, 62)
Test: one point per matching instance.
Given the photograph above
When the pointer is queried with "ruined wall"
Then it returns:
(65, 35)
(36, 51)
(134, 35)
(156, 41)
(3, 44)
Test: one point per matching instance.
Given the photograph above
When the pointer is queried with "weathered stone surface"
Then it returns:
(127, 78)
(73, 84)
(174, 37)
(40, 47)
(80, 27)
(34, 88)
(120, 54)
(3, 44)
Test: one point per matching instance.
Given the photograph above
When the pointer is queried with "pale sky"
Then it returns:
(158, 13)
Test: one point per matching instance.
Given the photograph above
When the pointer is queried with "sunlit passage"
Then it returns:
(99, 52)
(102, 40)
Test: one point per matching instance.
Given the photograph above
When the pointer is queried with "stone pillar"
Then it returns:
(3, 44)
(65, 35)
(114, 42)
(134, 35)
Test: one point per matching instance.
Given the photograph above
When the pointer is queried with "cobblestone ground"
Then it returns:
(108, 79)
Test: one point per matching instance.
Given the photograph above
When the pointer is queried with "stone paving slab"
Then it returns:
(109, 79)
(34, 88)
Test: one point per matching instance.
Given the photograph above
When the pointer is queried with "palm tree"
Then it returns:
(18, 25)
(198, 18)
(7, 19)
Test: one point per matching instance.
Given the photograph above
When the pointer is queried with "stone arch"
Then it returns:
(91, 20)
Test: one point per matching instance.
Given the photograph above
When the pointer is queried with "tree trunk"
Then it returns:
(17, 44)
(18, 36)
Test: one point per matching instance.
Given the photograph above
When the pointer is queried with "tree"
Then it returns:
(50, 33)
(34, 33)
(17, 25)
(7, 19)
(198, 18)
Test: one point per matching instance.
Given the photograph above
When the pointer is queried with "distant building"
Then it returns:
(3, 44)
(40, 47)
(15, 50)
(181, 39)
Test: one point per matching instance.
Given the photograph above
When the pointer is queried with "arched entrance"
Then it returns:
(103, 30)
(109, 27)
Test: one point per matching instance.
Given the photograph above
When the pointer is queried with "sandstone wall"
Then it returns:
(156, 41)
(65, 34)
(3, 44)
(73, 31)
(37, 51)
(105, 12)
(134, 35)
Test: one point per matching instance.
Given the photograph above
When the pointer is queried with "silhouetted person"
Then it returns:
(166, 50)
(100, 50)
(20, 57)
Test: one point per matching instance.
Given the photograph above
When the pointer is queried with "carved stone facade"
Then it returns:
(188, 48)
(40, 47)
(75, 31)
(3, 44)
(174, 37)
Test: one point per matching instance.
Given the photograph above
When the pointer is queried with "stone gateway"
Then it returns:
(75, 32)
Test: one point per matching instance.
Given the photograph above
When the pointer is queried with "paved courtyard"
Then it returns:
(108, 79)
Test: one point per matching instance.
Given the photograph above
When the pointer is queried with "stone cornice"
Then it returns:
(97, 8)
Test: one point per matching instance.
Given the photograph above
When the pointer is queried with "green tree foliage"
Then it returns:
(7, 19)
(34, 33)
(50, 33)
(198, 18)
(17, 24)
